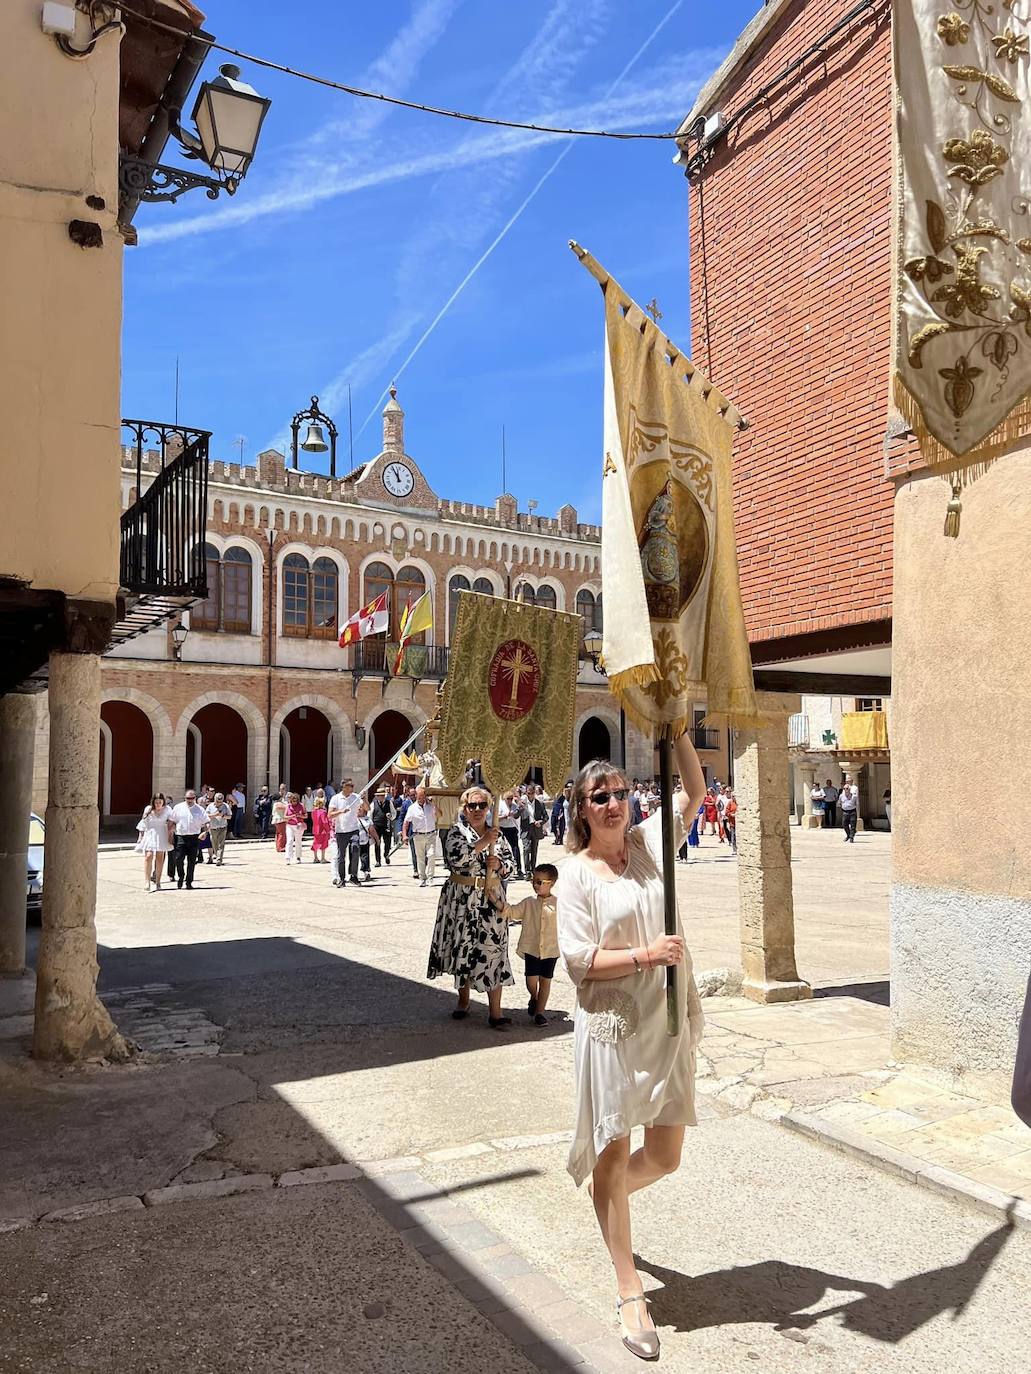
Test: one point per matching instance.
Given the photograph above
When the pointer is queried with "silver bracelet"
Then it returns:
(637, 964)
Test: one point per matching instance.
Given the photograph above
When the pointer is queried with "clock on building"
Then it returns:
(398, 479)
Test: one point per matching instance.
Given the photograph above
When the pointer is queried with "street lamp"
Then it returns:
(228, 115)
(593, 641)
(179, 633)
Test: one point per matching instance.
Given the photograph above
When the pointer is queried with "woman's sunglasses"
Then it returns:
(476, 806)
(603, 798)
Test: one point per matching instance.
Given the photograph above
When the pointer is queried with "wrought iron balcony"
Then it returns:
(375, 657)
(162, 569)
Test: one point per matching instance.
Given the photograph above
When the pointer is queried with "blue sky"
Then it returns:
(358, 221)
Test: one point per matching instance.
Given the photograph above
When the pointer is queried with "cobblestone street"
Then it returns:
(310, 1157)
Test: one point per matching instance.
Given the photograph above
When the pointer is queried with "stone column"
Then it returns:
(855, 772)
(764, 857)
(17, 744)
(810, 821)
(71, 1021)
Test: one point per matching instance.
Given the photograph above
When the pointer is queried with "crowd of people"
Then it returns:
(828, 801)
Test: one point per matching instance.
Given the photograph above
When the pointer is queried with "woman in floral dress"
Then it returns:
(470, 937)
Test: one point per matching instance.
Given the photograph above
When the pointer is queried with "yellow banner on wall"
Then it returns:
(864, 730)
(510, 690)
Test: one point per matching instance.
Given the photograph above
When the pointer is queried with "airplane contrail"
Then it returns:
(513, 218)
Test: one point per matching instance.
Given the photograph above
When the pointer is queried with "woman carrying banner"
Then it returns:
(629, 1070)
(470, 937)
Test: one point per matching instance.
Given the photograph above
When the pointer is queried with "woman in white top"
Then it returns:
(154, 843)
(629, 1070)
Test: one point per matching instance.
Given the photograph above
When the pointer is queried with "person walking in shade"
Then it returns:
(470, 935)
(155, 840)
(538, 939)
(263, 812)
(629, 1070)
(830, 805)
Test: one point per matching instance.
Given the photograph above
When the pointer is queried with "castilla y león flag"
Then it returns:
(674, 629)
(370, 620)
(508, 699)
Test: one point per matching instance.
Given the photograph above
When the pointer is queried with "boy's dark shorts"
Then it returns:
(539, 968)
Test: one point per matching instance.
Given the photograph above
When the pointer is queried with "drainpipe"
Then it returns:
(271, 534)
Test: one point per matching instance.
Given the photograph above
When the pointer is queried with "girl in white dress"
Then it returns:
(154, 842)
(629, 1070)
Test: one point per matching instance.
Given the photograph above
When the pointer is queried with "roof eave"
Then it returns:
(750, 38)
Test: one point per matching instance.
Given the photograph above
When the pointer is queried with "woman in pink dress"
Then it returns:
(294, 827)
(320, 829)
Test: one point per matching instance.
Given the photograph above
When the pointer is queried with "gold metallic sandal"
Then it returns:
(643, 1344)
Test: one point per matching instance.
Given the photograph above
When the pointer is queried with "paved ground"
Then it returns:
(289, 1026)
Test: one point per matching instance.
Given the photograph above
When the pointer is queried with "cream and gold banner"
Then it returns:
(674, 629)
(509, 696)
(963, 206)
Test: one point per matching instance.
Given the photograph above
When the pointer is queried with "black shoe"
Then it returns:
(459, 1013)
(499, 1022)
(189, 887)
(531, 1006)
(540, 1020)
(355, 882)
(179, 883)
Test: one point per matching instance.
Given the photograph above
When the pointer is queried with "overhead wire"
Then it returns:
(359, 93)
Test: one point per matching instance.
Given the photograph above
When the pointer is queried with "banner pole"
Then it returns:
(387, 766)
(669, 869)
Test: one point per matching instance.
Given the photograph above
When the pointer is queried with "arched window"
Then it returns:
(296, 579)
(236, 591)
(546, 597)
(528, 595)
(378, 579)
(588, 608)
(484, 586)
(409, 585)
(324, 596)
(205, 614)
(457, 584)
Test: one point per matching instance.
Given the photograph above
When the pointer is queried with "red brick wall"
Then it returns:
(790, 233)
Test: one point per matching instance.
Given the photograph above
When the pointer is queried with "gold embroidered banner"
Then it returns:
(963, 296)
(674, 628)
(508, 699)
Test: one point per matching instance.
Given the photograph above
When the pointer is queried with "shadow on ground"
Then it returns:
(778, 1294)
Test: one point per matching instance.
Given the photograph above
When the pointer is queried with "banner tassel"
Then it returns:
(952, 513)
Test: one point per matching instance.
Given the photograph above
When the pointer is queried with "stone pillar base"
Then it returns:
(812, 822)
(796, 990)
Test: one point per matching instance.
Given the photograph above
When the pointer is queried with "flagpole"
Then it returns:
(387, 766)
(665, 744)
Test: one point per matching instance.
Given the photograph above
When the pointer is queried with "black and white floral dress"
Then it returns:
(470, 938)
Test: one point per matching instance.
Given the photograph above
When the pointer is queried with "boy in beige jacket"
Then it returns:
(538, 939)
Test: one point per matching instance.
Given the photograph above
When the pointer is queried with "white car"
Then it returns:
(37, 840)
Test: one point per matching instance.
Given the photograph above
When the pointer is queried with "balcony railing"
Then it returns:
(376, 658)
(705, 738)
(163, 531)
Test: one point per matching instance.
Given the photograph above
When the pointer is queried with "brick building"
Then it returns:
(300, 552)
(788, 154)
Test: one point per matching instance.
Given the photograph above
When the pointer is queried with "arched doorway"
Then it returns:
(126, 759)
(305, 749)
(389, 732)
(595, 741)
(216, 748)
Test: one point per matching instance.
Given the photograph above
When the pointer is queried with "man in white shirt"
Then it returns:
(421, 824)
(343, 816)
(849, 802)
(239, 805)
(190, 821)
(830, 804)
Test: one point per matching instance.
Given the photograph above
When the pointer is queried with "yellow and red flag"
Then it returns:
(370, 620)
(416, 617)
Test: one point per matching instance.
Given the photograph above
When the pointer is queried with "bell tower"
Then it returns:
(393, 425)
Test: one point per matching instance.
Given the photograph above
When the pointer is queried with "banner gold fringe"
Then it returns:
(1016, 426)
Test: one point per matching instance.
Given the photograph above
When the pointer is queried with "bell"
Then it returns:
(314, 441)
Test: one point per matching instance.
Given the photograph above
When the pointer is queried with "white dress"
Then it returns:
(629, 1070)
(154, 835)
